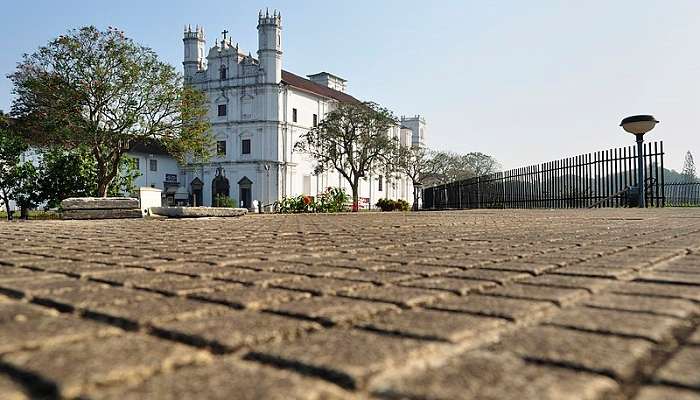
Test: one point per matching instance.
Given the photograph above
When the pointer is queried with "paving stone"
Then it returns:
(78, 367)
(151, 309)
(652, 327)
(28, 327)
(489, 376)
(235, 328)
(311, 270)
(458, 286)
(419, 269)
(658, 290)
(595, 272)
(500, 277)
(435, 325)
(253, 297)
(333, 353)
(333, 310)
(93, 294)
(401, 296)
(321, 286)
(695, 337)
(11, 389)
(605, 354)
(521, 266)
(379, 277)
(226, 379)
(261, 278)
(518, 310)
(593, 285)
(652, 305)
(666, 393)
(558, 296)
(682, 369)
(680, 278)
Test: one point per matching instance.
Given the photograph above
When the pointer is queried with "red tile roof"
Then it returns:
(313, 87)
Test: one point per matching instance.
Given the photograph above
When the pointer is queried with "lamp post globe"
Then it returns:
(639, 125)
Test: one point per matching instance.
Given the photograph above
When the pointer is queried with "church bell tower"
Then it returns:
(270, 45)
(194, 51)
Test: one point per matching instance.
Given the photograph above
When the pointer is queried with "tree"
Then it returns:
(101, 90)
(446, 167)
(354, 140)
(416, 163)
(689, 168)
(26, 188)
(11, 148)
(73, 173)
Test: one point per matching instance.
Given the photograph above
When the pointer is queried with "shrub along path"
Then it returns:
(488, 304)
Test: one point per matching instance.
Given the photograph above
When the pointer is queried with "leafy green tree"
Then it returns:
(11, 148)
(73, 173)
(416, 163)
(101, 90)
(353, 139)
(26, 191)
(688, 173)
(447, 167)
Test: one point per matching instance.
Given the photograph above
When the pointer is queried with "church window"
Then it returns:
(221, 147)
(381, 183)
(153, 164)
(222, 72)
(222, 110)
(315, 121)
(245, 146)
(294, 115)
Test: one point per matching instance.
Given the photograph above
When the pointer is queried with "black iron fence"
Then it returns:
(682, 194)
(601, 179)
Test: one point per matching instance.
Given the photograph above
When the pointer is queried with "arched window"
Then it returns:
(222, 72)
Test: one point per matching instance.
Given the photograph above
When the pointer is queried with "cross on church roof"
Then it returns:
(225, 32)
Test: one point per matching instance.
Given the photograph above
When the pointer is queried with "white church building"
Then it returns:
(257, 112)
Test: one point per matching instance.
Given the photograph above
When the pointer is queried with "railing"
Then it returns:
(682, 194)
(600, 179)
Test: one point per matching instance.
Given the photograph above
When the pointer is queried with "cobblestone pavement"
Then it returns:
(581, 304)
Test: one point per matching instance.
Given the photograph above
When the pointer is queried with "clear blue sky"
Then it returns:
(525, 81)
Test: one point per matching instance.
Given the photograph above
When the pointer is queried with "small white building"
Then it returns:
(258, 111)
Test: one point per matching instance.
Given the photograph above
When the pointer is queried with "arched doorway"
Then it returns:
(196, 192)
(245, 192)
(219, 186)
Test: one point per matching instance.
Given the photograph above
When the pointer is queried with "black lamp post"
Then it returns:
(638, 125)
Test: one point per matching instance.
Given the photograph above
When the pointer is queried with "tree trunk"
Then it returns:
(355, 196)
(7, 205)
(102, 188)
(23, 213)
(415, 198)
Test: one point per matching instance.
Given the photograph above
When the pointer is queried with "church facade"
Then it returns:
(257, 112)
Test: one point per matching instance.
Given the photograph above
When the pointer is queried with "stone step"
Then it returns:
(102, 214)
(196, 212)
(100, 203)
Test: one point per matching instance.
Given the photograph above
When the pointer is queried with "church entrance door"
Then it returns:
(219, 187)
(196, 192)
(245, 191)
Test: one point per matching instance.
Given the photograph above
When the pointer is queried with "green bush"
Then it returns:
(393, 205)
(330, 201)
(224, 201)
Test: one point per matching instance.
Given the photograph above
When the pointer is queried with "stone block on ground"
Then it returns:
(484, 375)
(196, 212)
(117, 213)
(100, 203)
